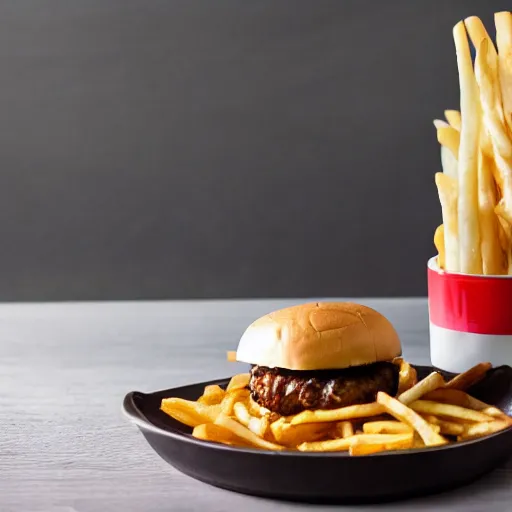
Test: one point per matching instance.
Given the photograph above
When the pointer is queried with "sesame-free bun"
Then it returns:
(318, 336)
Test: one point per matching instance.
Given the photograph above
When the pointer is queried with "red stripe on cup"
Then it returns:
(468, 303)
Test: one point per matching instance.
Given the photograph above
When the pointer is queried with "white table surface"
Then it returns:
(64, 369)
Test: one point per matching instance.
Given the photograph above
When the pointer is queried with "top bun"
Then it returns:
(319, 336)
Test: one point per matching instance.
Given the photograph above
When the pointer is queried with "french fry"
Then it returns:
(212, 395)
(182, 417)
(239, 381)
(403, 413)
(462, 399)
(449, 137)
(496, 413)
(477, 33)
(386, 427)
(453, 118)
(439, 243)
(470, 260)
(448, 196)
(449, 411)
(344, 444)
(407, 376)
(257, 425)
(454, 397)
(470, 377)
(505, 236)
(244, 433)
(503, 177)
(489, 99)
(256, 409)
(445, 427)
(189, 412)
(449, 163)
(503, 22)
(439, 123)
(333, 415)
(345, 428)
(292, 435)
(401, 442)
(242, 414)
(494, 259)
(483, 429)
(218, 434)
(417, 441)
(231, 398)
(231, 356)
(433, 381)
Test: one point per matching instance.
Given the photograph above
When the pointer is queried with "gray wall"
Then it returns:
(184, 149)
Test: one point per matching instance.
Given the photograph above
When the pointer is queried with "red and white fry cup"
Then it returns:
(470, 319)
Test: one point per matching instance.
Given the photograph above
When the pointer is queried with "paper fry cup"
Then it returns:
(470, 319)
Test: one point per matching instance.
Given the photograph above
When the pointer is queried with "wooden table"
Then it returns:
(64, 369)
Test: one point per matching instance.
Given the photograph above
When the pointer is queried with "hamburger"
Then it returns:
(321, 355)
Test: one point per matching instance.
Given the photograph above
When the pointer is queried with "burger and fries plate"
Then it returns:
(430, 431)
(329, 409)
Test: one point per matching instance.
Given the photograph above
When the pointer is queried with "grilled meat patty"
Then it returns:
(289, 392)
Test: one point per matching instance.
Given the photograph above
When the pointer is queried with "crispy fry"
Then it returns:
(448, 196)
(493, 117)
(239, 381)
(445, 427)
(212, 395)
(453, 118)
(505, 235)
(450, 138)
(231, 356)
(345, 428)
(439, 243)
(494, 258)
(503, 177)
(483, 429)
(218, 434)
(469, 378)
(433, 381)
(257, 425)
(503, 22)
(407, 376)
(496, 413)
(344, 413)
(449, 163)
(401, 442)
(439, 123)
(386, 427)
(343, 444)
(244, 433)
(417, 441)
(403, 413)
(292, 435)
(189, 412)
(451, 396)
(462, 399)
(228, 402)
(448, 411)
(470, 261)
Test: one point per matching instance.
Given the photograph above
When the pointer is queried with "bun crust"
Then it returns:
(319, 336)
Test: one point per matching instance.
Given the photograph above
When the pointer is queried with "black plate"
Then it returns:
(317, 477)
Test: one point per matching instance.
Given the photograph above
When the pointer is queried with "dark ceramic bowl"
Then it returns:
(329, 477)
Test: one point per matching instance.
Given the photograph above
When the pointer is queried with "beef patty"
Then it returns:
(290, 391)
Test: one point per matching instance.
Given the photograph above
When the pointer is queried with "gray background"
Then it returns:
(154, 149)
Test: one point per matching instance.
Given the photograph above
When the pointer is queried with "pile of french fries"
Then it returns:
(430, 412)
(475, 187)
